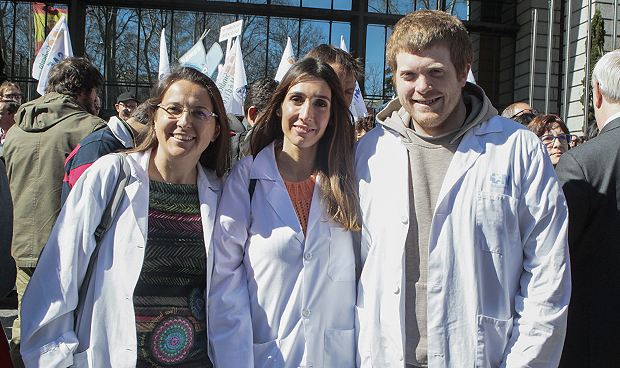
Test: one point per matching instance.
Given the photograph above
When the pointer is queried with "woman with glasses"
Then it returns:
(283, 291)
(553, 133)
(145, 304)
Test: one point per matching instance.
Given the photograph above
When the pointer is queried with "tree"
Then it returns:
(597, 31)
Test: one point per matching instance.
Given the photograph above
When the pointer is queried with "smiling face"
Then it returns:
(186, 137)
(305, 114)
(556, 149)
(429, 88)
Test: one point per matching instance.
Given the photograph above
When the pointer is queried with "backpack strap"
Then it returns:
(107, 219)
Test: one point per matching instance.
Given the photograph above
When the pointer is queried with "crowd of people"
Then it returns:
(177, 235)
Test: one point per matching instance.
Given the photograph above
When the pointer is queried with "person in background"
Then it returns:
(576, 140)
(254, 105)
(118, 135)
(8, 108)
(590, 177)
(516, 109)
(525, 118)
(283, 290)
(146, 303)
(363, 126)
(46, 130)
(553, 133)
(11, 91)
(97, 106)
(348, 68)
(126, 103)
(8, 271)
(464, 235)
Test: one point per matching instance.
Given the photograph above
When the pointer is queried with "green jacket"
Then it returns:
(46, 130)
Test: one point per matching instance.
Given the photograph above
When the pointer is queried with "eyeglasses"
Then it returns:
(129, 106)
(198, 113)
(526, 111)
(548, 140)
(13, 96)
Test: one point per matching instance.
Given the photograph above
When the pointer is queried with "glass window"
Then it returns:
(279, 30)
(341, 29)
(375, 61)
(342, 4)
(254, 45)
(313, 33)
(377, 6)
(322, 4)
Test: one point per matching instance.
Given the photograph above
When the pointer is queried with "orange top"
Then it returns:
(301, 196)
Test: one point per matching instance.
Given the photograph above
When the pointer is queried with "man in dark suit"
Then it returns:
(590, 177)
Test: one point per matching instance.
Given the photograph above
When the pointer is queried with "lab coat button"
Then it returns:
(403, 219)
(397, 290)
(308, 256)
(305, 313)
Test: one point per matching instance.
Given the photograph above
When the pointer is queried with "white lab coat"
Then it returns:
(107, 328)
(498, 266)
(279, 299)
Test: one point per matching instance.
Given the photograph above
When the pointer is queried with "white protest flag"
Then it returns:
(240, 82)
(164, 61)
(357, 107)
(287, 60)
(196, 57)
(231, 79)
(343, 45)
(57, 46)
(225, 76)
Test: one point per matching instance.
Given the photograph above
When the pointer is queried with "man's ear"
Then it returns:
(464, 74)
(597, 96)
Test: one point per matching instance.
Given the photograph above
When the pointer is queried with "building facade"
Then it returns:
(121, 37)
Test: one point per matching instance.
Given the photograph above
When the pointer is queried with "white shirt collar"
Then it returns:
(614, 116)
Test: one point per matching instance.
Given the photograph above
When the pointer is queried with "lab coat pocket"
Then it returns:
(341, 265)
(497, 222)
(493, 336)
(83, 359)
(339, 348)
(267, 355)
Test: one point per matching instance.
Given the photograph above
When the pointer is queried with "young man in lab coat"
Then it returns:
(464, 238)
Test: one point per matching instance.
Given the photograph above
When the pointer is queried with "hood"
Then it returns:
(479, 110)
(46, 111)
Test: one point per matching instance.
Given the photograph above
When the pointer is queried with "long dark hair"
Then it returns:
(217, 155)
(334, 157)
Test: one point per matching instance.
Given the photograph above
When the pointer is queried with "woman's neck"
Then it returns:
(163, 170)
(294, 164)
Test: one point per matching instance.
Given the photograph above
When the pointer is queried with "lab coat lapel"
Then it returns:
(208, 192)
(138, 190)
(468, 152)
(264, 168)
(316, 212)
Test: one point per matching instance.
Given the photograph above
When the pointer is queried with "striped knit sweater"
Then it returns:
(169, 296)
